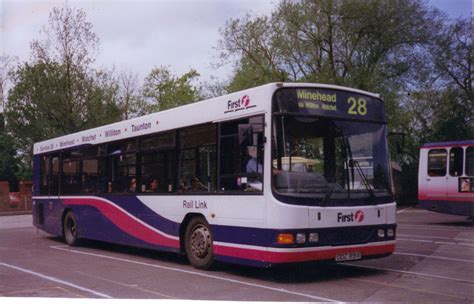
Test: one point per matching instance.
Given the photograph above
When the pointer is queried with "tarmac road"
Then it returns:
(433, 262)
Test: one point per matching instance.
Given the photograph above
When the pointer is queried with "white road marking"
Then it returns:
(435, 237)
(435, 242)
(198, 274)
(102, 295)
(434, 257)
(414, 240)
(403, 210)
(420, 274)
(445, 243)
(134, 286)
(429, 227)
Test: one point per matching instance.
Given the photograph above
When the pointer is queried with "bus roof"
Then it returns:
(444, 144)
(255, 100)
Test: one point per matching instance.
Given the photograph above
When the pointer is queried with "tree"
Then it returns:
(168, 91)
(442, 102)
(58, 92)
(6, 66)
(364, 44)
(9, 162)
(130, 95)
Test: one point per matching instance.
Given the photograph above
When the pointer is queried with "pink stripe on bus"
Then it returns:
(125, 222)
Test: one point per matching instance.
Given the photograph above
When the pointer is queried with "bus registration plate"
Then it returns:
(348, 256)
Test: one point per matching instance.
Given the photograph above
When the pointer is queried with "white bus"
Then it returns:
(212, 180)
(446, 177)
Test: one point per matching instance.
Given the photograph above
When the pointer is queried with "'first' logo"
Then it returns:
(346, 218)
(239, 104)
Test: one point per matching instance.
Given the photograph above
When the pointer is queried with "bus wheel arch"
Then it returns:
(197, 241)
(70, 228)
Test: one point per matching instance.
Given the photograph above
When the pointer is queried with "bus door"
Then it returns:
(456, 166)
(436, 180)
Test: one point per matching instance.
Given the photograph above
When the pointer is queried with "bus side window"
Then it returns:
(437, 162)
(470, 161)
(54, 175)
(455, 161)
(44, 175)
(197, 158)
(241, 154)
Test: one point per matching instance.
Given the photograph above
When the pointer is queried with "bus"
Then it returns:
(210, 180)
(446, 177)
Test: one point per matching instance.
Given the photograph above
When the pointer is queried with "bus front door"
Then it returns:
(436, 180)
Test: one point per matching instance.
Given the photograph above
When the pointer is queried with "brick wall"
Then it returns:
(22, 201)
(4, 194)
(26, 194)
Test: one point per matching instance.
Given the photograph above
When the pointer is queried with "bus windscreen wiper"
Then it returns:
(354, 163)
(344, 150)
(351, 163)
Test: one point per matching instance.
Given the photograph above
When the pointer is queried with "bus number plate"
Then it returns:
(348, 256)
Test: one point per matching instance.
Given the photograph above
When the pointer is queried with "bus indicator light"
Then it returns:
(285, 238)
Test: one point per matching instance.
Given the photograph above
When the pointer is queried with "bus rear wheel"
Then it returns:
(198, 244)
(70, 229)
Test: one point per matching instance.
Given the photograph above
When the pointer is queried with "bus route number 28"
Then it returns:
(357, 106)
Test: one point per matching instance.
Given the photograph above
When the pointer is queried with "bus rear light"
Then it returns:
(300, 238)
(313, 237)
(285, 238)
(390, 232)
(381, 233)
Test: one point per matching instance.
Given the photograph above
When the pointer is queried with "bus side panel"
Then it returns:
(123, 220)
(94, 225)
(47, 215)
(445, 199)
(449, 207)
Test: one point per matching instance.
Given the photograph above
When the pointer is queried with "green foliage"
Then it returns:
(11, 167)
(363, 44)
(168, 91)
(51, 100)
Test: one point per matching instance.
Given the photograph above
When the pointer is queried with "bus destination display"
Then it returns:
(334, 103)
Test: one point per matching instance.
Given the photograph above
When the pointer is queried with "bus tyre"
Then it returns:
(198, 243)
(70, 229)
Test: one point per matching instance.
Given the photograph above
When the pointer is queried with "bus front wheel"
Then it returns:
(198, 243)
(70, 229)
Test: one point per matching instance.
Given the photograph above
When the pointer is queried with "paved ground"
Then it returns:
(434, 262)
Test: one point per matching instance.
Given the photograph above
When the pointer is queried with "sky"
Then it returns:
(136, 36)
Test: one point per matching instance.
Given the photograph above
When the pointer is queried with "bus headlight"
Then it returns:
(390, 232)
(313, 237)
(300, 238)
(381, 233)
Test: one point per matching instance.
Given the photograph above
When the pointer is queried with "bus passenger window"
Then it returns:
(470, 161)
(455, 161)
(44, 175)
(197, 161)
(241, 155)
(437, 162)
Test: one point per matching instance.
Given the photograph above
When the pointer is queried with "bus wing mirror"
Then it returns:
(398, 140)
